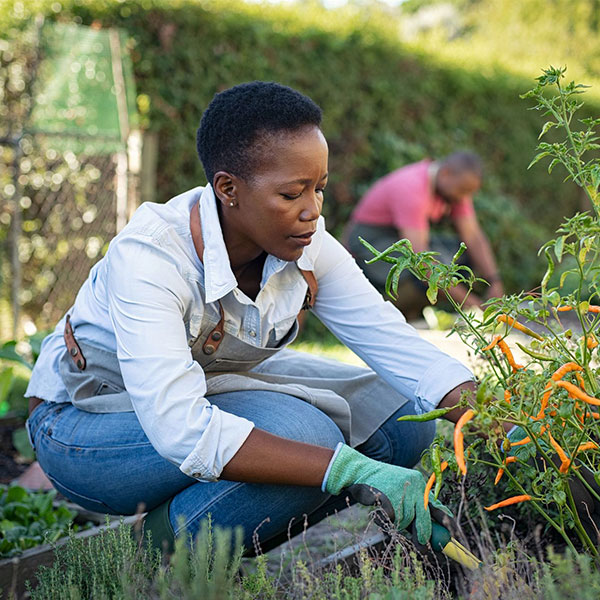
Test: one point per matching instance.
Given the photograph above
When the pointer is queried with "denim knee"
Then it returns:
(399, 443)
(282, 415)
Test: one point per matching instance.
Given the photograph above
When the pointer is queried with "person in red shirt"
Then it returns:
(404, 204)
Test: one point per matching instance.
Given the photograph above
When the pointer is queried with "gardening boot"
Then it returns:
(157, 523)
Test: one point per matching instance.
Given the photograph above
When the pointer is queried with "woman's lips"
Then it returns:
(304, 239)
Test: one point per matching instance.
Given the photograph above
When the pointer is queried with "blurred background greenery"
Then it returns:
(397, 82)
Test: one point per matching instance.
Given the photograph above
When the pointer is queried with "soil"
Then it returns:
(11, 465)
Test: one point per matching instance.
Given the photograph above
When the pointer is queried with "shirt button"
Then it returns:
(197, 475)
(252, 333)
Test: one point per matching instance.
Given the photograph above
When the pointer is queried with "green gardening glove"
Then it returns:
(400, 491)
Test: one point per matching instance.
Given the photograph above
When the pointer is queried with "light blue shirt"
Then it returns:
(145, 301)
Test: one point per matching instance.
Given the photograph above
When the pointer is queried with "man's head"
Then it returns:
(237, 128)
(459, 175)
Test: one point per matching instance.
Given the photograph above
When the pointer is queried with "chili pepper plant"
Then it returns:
(554, 395)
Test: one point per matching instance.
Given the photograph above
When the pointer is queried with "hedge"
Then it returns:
(383, 105)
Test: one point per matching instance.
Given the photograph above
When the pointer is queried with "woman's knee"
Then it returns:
(399, 443)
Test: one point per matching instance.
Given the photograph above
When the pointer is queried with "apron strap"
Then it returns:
(72, 346)
(214, 338)
(313, 288)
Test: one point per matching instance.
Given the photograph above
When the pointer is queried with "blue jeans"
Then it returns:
(104, 462)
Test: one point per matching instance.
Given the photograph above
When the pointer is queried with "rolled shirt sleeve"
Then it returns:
(167, 387)
(378, 332)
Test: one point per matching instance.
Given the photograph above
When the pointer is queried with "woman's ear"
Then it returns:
(224, 186)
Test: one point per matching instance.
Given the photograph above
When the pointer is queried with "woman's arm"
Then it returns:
(357, 314)
(296, 463)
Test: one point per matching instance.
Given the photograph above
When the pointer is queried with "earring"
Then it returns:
(232, 204)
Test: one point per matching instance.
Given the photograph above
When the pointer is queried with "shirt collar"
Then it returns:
(219, 279)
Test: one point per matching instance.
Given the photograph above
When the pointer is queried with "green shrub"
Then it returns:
(384, 105)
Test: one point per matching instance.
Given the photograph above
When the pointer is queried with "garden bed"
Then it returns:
(15, 571)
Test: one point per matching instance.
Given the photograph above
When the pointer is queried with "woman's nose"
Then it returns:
(312, 209)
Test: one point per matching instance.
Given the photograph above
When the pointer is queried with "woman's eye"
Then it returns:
(291, 196)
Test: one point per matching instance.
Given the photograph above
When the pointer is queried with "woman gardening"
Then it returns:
(168, 384)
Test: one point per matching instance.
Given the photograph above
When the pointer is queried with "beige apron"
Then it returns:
(355, 398)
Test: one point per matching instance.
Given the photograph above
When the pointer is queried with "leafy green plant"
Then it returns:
(553, 395)
(28, 519)
(17, 358)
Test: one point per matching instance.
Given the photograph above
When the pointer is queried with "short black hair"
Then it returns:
(240, 116)
(463, 162)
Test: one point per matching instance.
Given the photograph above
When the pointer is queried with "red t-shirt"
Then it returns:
(403, 199)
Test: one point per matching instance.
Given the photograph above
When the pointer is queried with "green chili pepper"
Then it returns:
(458, 254)
(534, 354)
(549, 270)
(436, 461)
(428, 416)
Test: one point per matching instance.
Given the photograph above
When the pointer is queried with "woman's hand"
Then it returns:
(400, 491)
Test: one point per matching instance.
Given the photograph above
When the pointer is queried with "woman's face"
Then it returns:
(276, 210)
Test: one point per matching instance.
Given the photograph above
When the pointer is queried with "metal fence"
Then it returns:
(60, 221)
(69, 162)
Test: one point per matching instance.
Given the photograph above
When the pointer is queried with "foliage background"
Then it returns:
(385, 103)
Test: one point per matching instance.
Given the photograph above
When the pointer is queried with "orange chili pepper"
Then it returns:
(564, 369)
(578, 393)
(499, 475)
(527, 439)
(509, 501)
(522, 442)
(591, 341)
(509, 355)
(510, 459)
(459, 448)
(430, 483)
(592, 414)
(587, 446)
(580, 381)
(514, 323)
(545, 399)
(507, 396)
(591, 308)
(561, 453)
(564, 467)
(556, 376)
(494, 341)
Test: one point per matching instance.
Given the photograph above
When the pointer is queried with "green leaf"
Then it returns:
(6, 381)
(432, 292)
(21, 443)
(559, 246)
(8, 352)
(15, 493)
(537, 158)
(547, 126)
(562, 278)
(559, 497)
